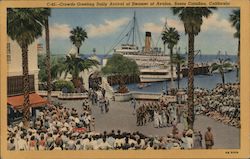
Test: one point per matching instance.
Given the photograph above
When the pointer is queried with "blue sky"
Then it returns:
(103, 27)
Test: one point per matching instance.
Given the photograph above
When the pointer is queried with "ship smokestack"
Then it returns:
(148, 42)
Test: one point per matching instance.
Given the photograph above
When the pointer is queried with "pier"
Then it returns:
(199, 69)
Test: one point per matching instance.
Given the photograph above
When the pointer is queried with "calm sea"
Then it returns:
(201, 81)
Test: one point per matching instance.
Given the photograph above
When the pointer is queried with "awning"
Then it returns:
(35, 101)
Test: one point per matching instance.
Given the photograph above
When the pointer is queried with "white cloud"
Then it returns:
(157, 28)
(59, 31)
(174, 23)
(108, 27)
(152, 27)
(214, 22)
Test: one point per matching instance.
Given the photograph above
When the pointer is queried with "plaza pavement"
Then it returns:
(120, 116)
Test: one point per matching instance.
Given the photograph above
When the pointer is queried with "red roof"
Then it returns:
(35, 100)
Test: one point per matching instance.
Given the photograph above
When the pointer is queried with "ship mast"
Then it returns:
(133, 37)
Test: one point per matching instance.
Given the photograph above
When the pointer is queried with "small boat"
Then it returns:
(148, 84)
(140, 85)
(143, 85)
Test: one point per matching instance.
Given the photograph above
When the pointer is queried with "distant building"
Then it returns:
(15, 72)
(15, 80)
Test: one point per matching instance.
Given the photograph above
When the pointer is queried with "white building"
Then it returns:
(15, 81)
(14, 60)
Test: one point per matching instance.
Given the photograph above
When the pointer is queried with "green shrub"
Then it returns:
(60, 84)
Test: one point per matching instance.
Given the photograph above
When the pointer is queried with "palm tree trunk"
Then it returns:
(190, 80)
(223, 77)
(121, 80)
(171, 69)
(76, 81)
(26, 103)
(164, 49)
(78, 51)
(178, 75)
(48, 59)
(238, 68)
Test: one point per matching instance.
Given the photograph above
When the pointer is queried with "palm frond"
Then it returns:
(192, 17)
(23, 25)
(227, 65)
(215, 67)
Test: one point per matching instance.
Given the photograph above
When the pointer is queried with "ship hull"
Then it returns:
(154, 79)
(149, 80)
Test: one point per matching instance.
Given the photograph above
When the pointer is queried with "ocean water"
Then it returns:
(201, 81)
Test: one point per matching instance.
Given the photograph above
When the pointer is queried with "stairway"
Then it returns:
(107, 87)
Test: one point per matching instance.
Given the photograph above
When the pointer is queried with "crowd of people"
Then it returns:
(51, 122)
(33, 139)
(59, 128)
(221, 103)
(161, 113)
(98, 98)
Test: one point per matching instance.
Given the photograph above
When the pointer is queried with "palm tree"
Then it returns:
(44, 15)
(221, 67)
(192, 18)
(179, 60)
(170, 37)
(74, 65)
(77, 37)
(24, 26)
(57, 67)
(235, 20)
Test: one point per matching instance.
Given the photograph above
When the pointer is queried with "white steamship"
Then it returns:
(154, 64)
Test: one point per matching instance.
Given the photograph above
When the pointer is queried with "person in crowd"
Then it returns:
(87, 121)
(32, 143)
(197, 140)
(93, 124)
(41, 143)
(103, 92)
(50, 142)
(133, 105)
(106, 102)
(189, 139)
(209, 139)
(156, 119)
(22, 144)
(185, 123)
(11, 145)
(104, 145)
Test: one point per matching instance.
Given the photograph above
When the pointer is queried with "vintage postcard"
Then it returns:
(125, 79)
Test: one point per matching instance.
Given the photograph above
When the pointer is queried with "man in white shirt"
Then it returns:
(190, 141)
(84, 142)
(22, 145)
(71, 144)
(111, 140)
(104, 145)
(87, 121)
(20, 124)
(89, 145)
